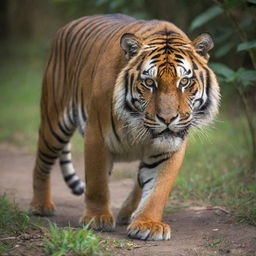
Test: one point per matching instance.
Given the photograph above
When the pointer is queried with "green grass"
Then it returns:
(20, 85)
(19, 101)
(57, 241)
(217, 169)
(12, 219)
(71, 241)
(13, 222)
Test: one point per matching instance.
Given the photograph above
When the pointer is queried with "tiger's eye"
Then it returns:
(184, 81)
(149, 82)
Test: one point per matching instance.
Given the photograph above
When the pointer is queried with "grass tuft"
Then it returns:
(13, 222)
(12, 219)
(71, 241)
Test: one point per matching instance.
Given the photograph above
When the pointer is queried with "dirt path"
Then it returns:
(196, 229)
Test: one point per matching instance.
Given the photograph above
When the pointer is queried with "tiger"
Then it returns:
(133, 89)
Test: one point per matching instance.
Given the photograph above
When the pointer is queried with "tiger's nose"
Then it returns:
(167, 118)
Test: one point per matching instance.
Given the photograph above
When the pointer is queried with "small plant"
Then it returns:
(13, 222)
(215, 242)
(12, 219)
(71, 241)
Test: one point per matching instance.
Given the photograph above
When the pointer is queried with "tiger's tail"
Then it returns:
(69, 174)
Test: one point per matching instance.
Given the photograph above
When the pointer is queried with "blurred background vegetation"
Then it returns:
(220, 163)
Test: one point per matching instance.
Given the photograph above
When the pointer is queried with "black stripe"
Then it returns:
(57, 137)
(165, 64)
(65, 152)
(131, 83)
(157, 43)
(115, 28)
(153, 165)
(81, 59)
(201, 77)
(43, 170)
(63, 162)
(154, 61)
(178, 56)
(208, 81)
(67, 128)
(45, 161)
(68, 134)
(70, 118)
(74, 184)
(138, 68)
(69, 177)
(73, 36)
(155, 50)
(165, 32)
(146, 181)
(158, 155)
(126, 84)
(138, 180)
(52, 157)
(179, 61)
(195, 67)
(207, 85)
(82, 107)
(113, 125)
(130, 109)
(51, 148)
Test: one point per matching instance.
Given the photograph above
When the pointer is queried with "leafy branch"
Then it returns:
(242, 78)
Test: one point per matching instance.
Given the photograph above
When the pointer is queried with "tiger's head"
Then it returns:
(166, 86)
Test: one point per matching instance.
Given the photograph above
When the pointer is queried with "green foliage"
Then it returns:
(205, 17)
(12, 219)
(70, 241)
(246, 46)
(242, 76)
(237, 38)
(13, 222)
(81, 7)
(3, 248)
(251, 1)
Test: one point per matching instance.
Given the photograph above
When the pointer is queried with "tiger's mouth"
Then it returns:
(167, 133)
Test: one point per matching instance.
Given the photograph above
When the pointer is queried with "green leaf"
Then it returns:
(232, 3)
(206, 16)
(246, 77)
(246, 46)
(223, 71)
(223, 35)
(251, 1)
(224, 49)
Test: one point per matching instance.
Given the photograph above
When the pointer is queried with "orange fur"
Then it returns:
(132, 88)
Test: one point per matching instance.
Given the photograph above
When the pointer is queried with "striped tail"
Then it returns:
(69, 173)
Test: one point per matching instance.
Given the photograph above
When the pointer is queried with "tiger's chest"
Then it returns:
(129, 148)
(124, 148)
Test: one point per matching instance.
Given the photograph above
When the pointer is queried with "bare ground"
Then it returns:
(197, 230)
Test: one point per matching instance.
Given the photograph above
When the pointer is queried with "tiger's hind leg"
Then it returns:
(52, 139)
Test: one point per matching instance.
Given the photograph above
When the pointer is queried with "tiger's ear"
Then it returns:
(130, 44)
(203, 43)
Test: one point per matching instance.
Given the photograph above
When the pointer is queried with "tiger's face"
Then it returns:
(168, 86)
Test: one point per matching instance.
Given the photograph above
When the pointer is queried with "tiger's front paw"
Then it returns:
(42, 209)
(149, 230)
(104, 222)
